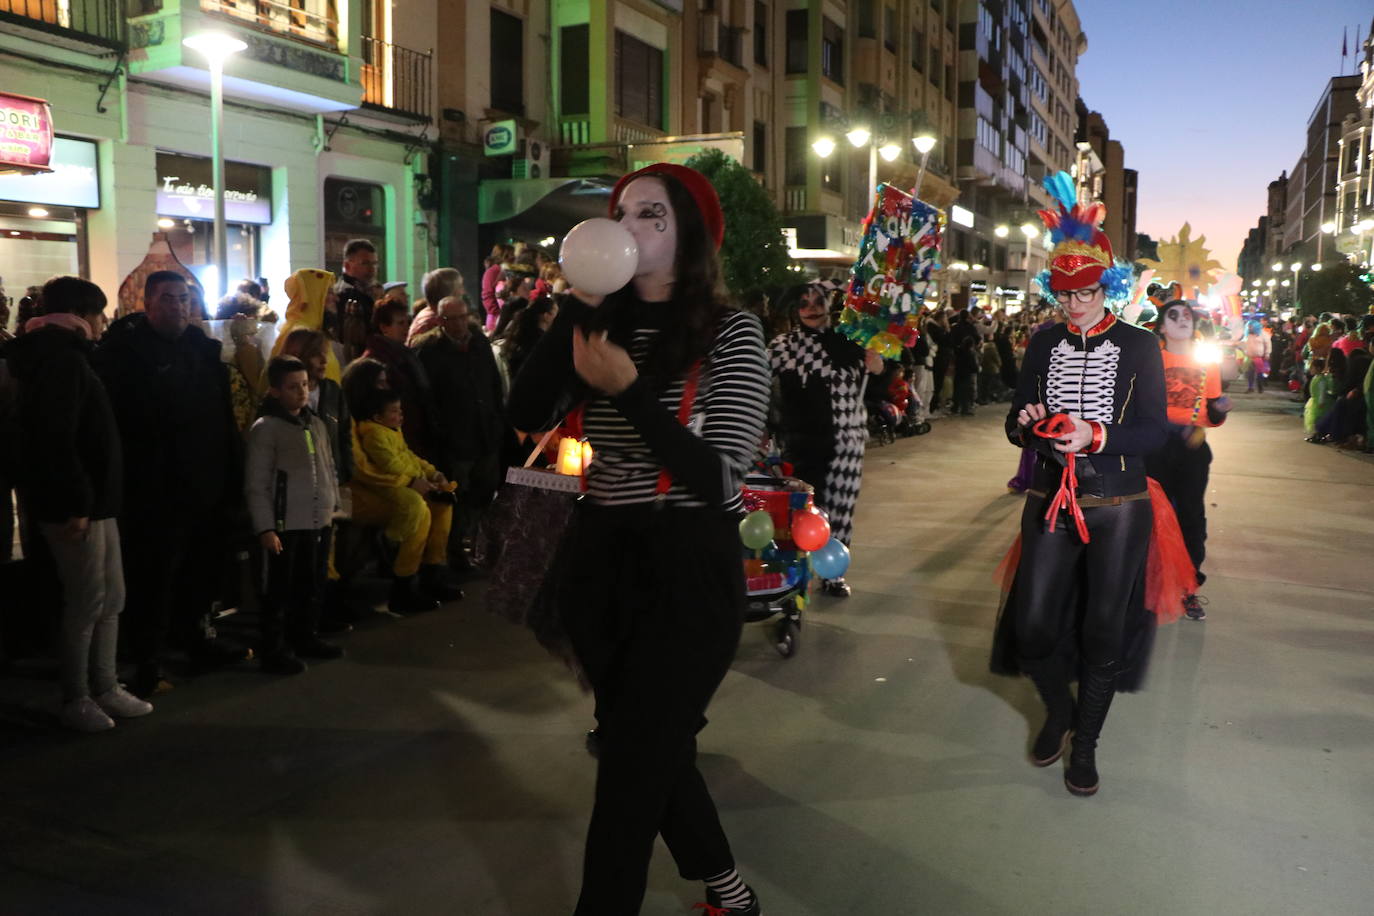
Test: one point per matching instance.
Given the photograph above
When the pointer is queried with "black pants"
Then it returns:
(653, 602)
(172, 568)
(965, 390)
(1183, 473)
(1056, 568)
(292, 586)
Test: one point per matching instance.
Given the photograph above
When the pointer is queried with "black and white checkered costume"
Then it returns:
(821, 418)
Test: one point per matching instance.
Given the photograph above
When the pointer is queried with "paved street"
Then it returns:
(439, 768)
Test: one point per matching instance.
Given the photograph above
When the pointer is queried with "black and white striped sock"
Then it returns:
(734, 894)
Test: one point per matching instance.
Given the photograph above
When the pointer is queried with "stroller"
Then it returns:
(777, 578)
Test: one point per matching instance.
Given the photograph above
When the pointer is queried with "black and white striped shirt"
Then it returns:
(636, 434)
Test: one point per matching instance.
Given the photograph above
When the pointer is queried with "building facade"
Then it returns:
(325, 115)
(1352, 228)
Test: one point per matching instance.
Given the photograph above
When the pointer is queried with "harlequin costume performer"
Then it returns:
(1195, 404)
(1090, 401)
(820, 377)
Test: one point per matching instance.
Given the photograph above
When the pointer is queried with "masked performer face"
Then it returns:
(812, 310)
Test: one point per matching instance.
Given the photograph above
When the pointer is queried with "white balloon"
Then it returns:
(599, 256)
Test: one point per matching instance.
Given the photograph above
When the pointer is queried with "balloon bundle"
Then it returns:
(899, 250)
(808, 530)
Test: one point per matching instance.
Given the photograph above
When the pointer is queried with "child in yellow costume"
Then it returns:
(405, 495)
(311, 294)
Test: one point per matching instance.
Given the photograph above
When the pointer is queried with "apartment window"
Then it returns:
(573, 72)
(507, 63)
(937, 5)
(798, 40)
(918, 50)
(760, 33)
(949, 82)
(832, 51)
(868, 18)
(638, 81)
(794, 154)
(760, 147)
(890, 28)
(937, 66)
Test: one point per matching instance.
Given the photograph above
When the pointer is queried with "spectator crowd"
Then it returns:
(165, 474)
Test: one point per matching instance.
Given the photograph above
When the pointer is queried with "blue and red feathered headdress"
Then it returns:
(1082, 253)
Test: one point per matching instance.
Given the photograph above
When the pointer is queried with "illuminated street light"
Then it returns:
(1316, 267)
(216, 48)
(824, 147)
(858, 136)
(924, 144)
(889, 151)
(1001, 232)
(1278, 265)
(1329, 228)
(1030, 230)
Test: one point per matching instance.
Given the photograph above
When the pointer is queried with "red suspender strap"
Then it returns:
(684, 414)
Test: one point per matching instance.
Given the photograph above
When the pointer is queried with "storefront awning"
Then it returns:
(540, 207)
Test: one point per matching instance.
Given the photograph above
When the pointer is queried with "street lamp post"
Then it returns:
(216, 47)
(862, 136)
(1296, 266)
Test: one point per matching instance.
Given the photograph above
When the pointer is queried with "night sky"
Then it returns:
(1211, 100)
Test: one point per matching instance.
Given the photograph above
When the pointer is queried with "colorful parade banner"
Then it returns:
(899, 250)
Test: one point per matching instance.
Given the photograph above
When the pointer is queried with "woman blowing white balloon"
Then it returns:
(674, 385)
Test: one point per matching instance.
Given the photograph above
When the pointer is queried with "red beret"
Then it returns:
(697, 184)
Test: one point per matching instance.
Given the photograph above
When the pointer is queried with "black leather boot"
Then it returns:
(406, 597)
(1096, 688)
(1052, 683)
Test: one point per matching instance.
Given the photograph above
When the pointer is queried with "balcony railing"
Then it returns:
(396, 78)
(100, 22)
(315, 21)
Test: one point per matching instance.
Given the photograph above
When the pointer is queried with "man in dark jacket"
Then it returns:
(72, 477)
(355, 301)
(182, 461)
(468, 399)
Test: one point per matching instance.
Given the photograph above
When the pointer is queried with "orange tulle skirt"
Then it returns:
(1169, 573)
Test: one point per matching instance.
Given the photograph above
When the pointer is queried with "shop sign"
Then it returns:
(185, 189)
(679, 150)
(25, 134)
(961, 216)
(72, 182)
(978, 286)
(499, 139)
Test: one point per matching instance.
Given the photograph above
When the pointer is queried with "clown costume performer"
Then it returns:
(1195, 403)
(819, 378)
(1090, 401)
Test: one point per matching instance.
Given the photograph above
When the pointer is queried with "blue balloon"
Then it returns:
(831, 561)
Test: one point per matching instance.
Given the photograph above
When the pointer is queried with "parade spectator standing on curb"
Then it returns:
(436, 286)
(1195, 403)
(468, 407)
(1098, 383)
(182, 454)
(292, 492)
(72, 481)
(651, 588)
(355, 301)
(820, 377)
(406, 376)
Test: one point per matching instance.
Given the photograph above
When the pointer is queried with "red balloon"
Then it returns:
(809, 531)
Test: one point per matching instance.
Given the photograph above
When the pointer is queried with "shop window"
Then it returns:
(798, 38)
(193, 243)
(638, 81)
(32, 250)
(353, 210)
(507, 63)
(573, 70)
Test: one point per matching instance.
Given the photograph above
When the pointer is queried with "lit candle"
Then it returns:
(570, 456)
(586, 456)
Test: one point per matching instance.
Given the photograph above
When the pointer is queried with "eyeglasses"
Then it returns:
(1082, 295)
